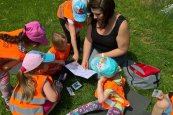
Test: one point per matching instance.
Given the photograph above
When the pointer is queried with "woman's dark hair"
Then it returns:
(107, 6)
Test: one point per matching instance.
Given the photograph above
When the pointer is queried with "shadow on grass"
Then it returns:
(132, 56)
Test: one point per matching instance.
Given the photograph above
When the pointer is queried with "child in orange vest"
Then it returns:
(72, 14)
(109, 91)
(61, 49)
(164, 104)
(35, 93)
(12, 51)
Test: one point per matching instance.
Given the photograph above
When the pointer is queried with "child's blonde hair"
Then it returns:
(27, 85)
(58, 39)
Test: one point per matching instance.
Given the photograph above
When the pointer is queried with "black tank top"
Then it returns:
(105, 43)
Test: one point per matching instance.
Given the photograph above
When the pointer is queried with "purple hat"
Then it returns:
(36, 32)
(34, 58)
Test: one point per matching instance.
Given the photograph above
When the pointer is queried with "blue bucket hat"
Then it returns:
(104, 66)
(79, 8)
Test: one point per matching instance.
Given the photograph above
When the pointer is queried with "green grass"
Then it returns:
(151, 40)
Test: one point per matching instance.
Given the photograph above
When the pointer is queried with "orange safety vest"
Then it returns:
(108, 84)
(58, 56)
(35, 106)
(171, 99)
(65, 12)
(11, 50)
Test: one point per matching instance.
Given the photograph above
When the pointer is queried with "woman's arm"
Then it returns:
(50, 92)
(87, 47)
(73, 41)
(123, 41)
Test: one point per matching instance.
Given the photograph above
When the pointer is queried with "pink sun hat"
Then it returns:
(34, 58)
(36, 32)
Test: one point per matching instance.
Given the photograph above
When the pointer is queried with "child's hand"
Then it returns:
(57, 86)
(161, 96)
(76, 56)
(102, 79)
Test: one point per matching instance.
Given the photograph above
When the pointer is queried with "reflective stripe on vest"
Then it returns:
(33, 101)
(110, 102)
(61, 11)
(27, 111)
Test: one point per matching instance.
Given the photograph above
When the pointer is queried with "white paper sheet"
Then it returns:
(78, 70)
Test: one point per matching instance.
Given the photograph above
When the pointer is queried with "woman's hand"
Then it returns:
(84, 64)
(76, 57)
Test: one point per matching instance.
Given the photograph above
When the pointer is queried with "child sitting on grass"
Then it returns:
(35, 93)
(61, 49)
(109, 91)
(164, 105)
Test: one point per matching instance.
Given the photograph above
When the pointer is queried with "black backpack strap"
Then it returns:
(157, 80)
(129, 72)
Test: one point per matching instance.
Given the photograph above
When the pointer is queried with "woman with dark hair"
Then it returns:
(107, 34)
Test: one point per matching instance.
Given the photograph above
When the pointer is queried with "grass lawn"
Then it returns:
(151, 41)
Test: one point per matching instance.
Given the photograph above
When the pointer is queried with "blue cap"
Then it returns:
(104, 66)
(47, 57)
(79, 10)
